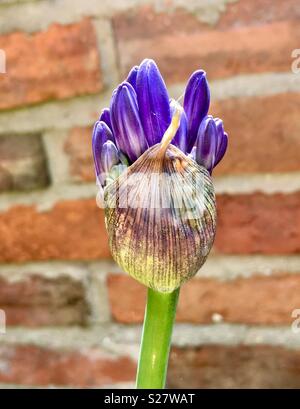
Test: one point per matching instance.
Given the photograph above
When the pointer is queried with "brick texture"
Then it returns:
(261, 129)
(78, 148)
(264, 134)
(202, 367)
(74, 230)
(23, 163)
(39, 301)
(31, 365)
(258, 223)
(70, 230)
(251, 36)
(66, 64)
(234, 367)
(271, 302)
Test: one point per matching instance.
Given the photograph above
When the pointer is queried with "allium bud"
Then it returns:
(160, 209)
(163, 226)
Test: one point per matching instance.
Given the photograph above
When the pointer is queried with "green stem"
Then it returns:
(156, 339)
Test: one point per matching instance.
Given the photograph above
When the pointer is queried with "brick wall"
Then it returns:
(73, 318)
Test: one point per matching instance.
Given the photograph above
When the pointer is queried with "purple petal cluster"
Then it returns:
(139, 114)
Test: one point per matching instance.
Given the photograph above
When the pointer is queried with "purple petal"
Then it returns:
(109, 156)
(132, 76)
(222, 141)
(221, 148)
(180, 139)
(196, 104)
(153, 101)
(101, 134)
(127, 127)
(220, 131)
(105, 117)
(206, 143)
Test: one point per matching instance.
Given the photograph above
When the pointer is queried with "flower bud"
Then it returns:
(196, 104)
(109, 156)
(206, 143)
(101, 134)
(132, 76)
(127, 127)
(160, 215)
(105, 117)
(153, 101)
(222, 141)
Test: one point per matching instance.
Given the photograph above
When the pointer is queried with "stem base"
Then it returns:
(156, 339)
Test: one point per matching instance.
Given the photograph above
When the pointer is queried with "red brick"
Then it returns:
(264, 134)
(32, 365)
(23, 163)
(70, 230)
(74, 230)
(261, 129)
(37, 301)
(255, 12)
(78, 148)
(258, 223)
(234, 367)
(251, 37)
(58, 63)
(271, 302)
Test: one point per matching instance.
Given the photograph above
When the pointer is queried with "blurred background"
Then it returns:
(73, 319)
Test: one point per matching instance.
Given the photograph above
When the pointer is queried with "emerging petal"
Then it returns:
(206, 143)
(221, 148)
(222, 141)
(132, 76)
(105, 117)
(127, 127)
(153, 101)
(101, 134)
(196, 104)
(109, 156)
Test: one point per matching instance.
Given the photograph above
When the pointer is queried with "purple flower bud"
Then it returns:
(132, 76)
(206, 143)
(196, 104)
(109, 156)
(126, 123)
(222, 148)
(222, 141)
(180, 139)
(153, 100)
(101, 134)
(105, 117)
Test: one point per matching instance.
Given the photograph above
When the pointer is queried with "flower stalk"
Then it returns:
(156, 339)
(153, 161)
